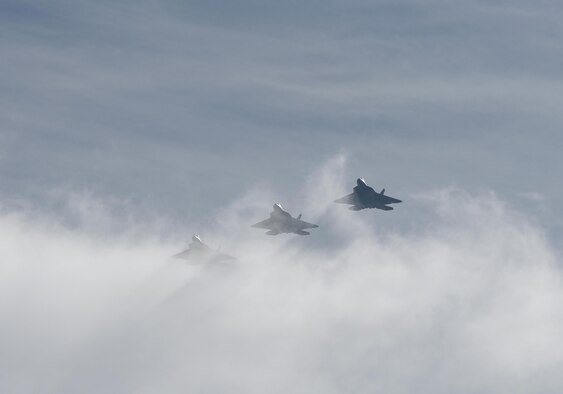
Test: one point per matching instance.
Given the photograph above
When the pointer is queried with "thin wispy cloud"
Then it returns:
(148, 100)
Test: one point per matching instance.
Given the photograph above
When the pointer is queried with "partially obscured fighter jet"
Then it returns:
(365, 197)
(281, 221)
(198, 252)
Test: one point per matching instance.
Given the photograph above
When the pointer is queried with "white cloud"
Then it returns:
(469, 303)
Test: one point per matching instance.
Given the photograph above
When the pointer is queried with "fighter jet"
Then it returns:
(365, 197)
(200, 253)
(280, 221)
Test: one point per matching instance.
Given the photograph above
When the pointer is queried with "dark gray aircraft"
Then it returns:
(198, 252)
(365, 197)
(280, 221)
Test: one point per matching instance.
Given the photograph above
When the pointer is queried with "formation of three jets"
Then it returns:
(362, 197)
(280, 221)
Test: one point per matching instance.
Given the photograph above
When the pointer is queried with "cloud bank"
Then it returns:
(468, 302)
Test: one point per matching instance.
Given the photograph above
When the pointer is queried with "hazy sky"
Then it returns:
(180, 107)
(127, 126)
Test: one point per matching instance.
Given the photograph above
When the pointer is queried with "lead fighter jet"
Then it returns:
(365, 197)
(280, 221)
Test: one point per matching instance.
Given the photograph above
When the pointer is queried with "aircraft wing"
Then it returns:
(349, 199)
(387, 200)
(186, 254)
(191, 254)
(221, 258)
(305, 224)
(267, 224)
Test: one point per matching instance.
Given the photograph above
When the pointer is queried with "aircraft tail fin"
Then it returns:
(382, 191)
(299, 217)
(301, 232)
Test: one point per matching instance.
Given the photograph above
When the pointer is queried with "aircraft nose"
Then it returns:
(361, 182)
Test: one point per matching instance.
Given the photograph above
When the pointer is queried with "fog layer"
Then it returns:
(468, 302)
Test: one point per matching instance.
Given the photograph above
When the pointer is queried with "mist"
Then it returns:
(465, 302)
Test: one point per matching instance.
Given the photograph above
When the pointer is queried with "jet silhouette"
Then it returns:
(198, 252)
(365, 197)
(280, 221)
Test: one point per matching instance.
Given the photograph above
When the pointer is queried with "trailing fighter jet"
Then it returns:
(280, 221)
(365, 197)
(198, 252)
